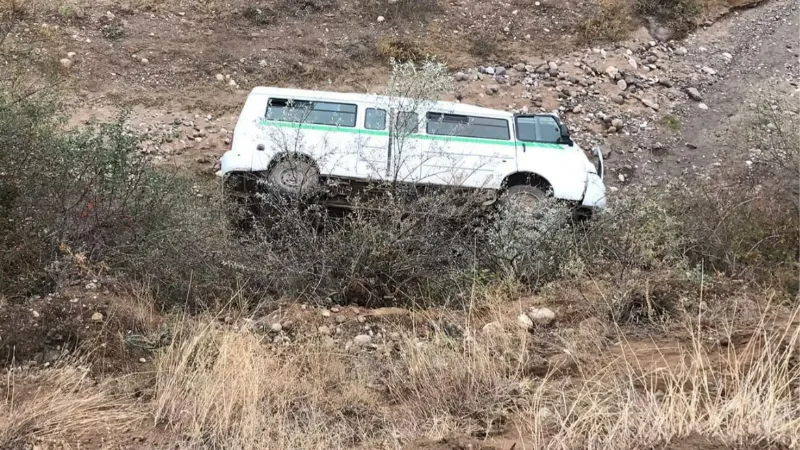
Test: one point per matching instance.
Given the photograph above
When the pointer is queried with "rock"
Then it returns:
(519, 67)
(709, 70)
(276, 327)
(622, 85)
(362, 340)
(492, 328)
(361, 319)
(612, 72)
(492, 89)
(66, 62)
(220, 77)
(97, 317)
(325, 313)
(489, 70)
(232, 82)
(562, 364)
(142, 360)
(381, 18)
(552, 65)
(621, 178)
(649, 103)
(541, 316)
(524, 321)
(71, 55)
(500, 70)
(633, 63)
(727, 56)
(144, 61)
(577, 110)
(666, 82)
(460, 76)
(617, 123)
(681, 51)
(341, 318)
(694, 94)
(35, 313)
(702, 105)
(324, 330)
(335, 309)
(617, 99)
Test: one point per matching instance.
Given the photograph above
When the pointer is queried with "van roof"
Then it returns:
(451, 107)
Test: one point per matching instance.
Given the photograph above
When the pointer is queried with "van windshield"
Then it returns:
(538, 129)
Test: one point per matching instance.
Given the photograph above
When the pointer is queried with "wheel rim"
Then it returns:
(526, 202)
(291, 178)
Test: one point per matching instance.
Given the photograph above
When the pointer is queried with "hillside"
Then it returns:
(133, 316)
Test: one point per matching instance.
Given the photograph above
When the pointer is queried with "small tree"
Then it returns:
(411, 91)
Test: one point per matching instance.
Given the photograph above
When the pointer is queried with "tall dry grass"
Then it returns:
(62, 404)
(233, 389)
(741, 395)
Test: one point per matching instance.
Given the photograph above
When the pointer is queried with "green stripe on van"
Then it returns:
(426, 137)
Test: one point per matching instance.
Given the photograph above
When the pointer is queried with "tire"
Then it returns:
(294, 176)
(525, 197)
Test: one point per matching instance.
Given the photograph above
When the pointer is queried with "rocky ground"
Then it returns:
(659, 109)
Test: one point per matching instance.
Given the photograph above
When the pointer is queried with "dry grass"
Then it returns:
(62, 404)
(231, 389)
(740, 396)
(218, 386)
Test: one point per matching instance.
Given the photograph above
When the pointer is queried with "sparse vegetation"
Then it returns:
(681, 16)
(612, 22)
(671, 122)
(260, 16)
(400, 49)
(484, 47)
(400, 9)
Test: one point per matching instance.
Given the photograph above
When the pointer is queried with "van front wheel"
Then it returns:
(294, 176)
(523, 197)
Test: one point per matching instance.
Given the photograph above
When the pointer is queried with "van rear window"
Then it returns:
(467, 126)
(319, 113)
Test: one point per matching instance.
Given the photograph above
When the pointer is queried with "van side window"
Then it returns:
(467, 126)
(538, 129)
(375, 119)
(407, 122)
(320, 113)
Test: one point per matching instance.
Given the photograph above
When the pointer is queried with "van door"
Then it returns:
(542, 149)
(467, 151)
(373, 146)
(404, 147)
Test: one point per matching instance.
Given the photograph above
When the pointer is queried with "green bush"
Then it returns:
(91, 191)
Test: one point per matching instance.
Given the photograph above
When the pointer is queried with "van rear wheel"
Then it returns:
(294, 176)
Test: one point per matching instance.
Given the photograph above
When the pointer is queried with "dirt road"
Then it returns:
(763, 67)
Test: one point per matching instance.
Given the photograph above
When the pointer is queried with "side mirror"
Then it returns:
(565, 138)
